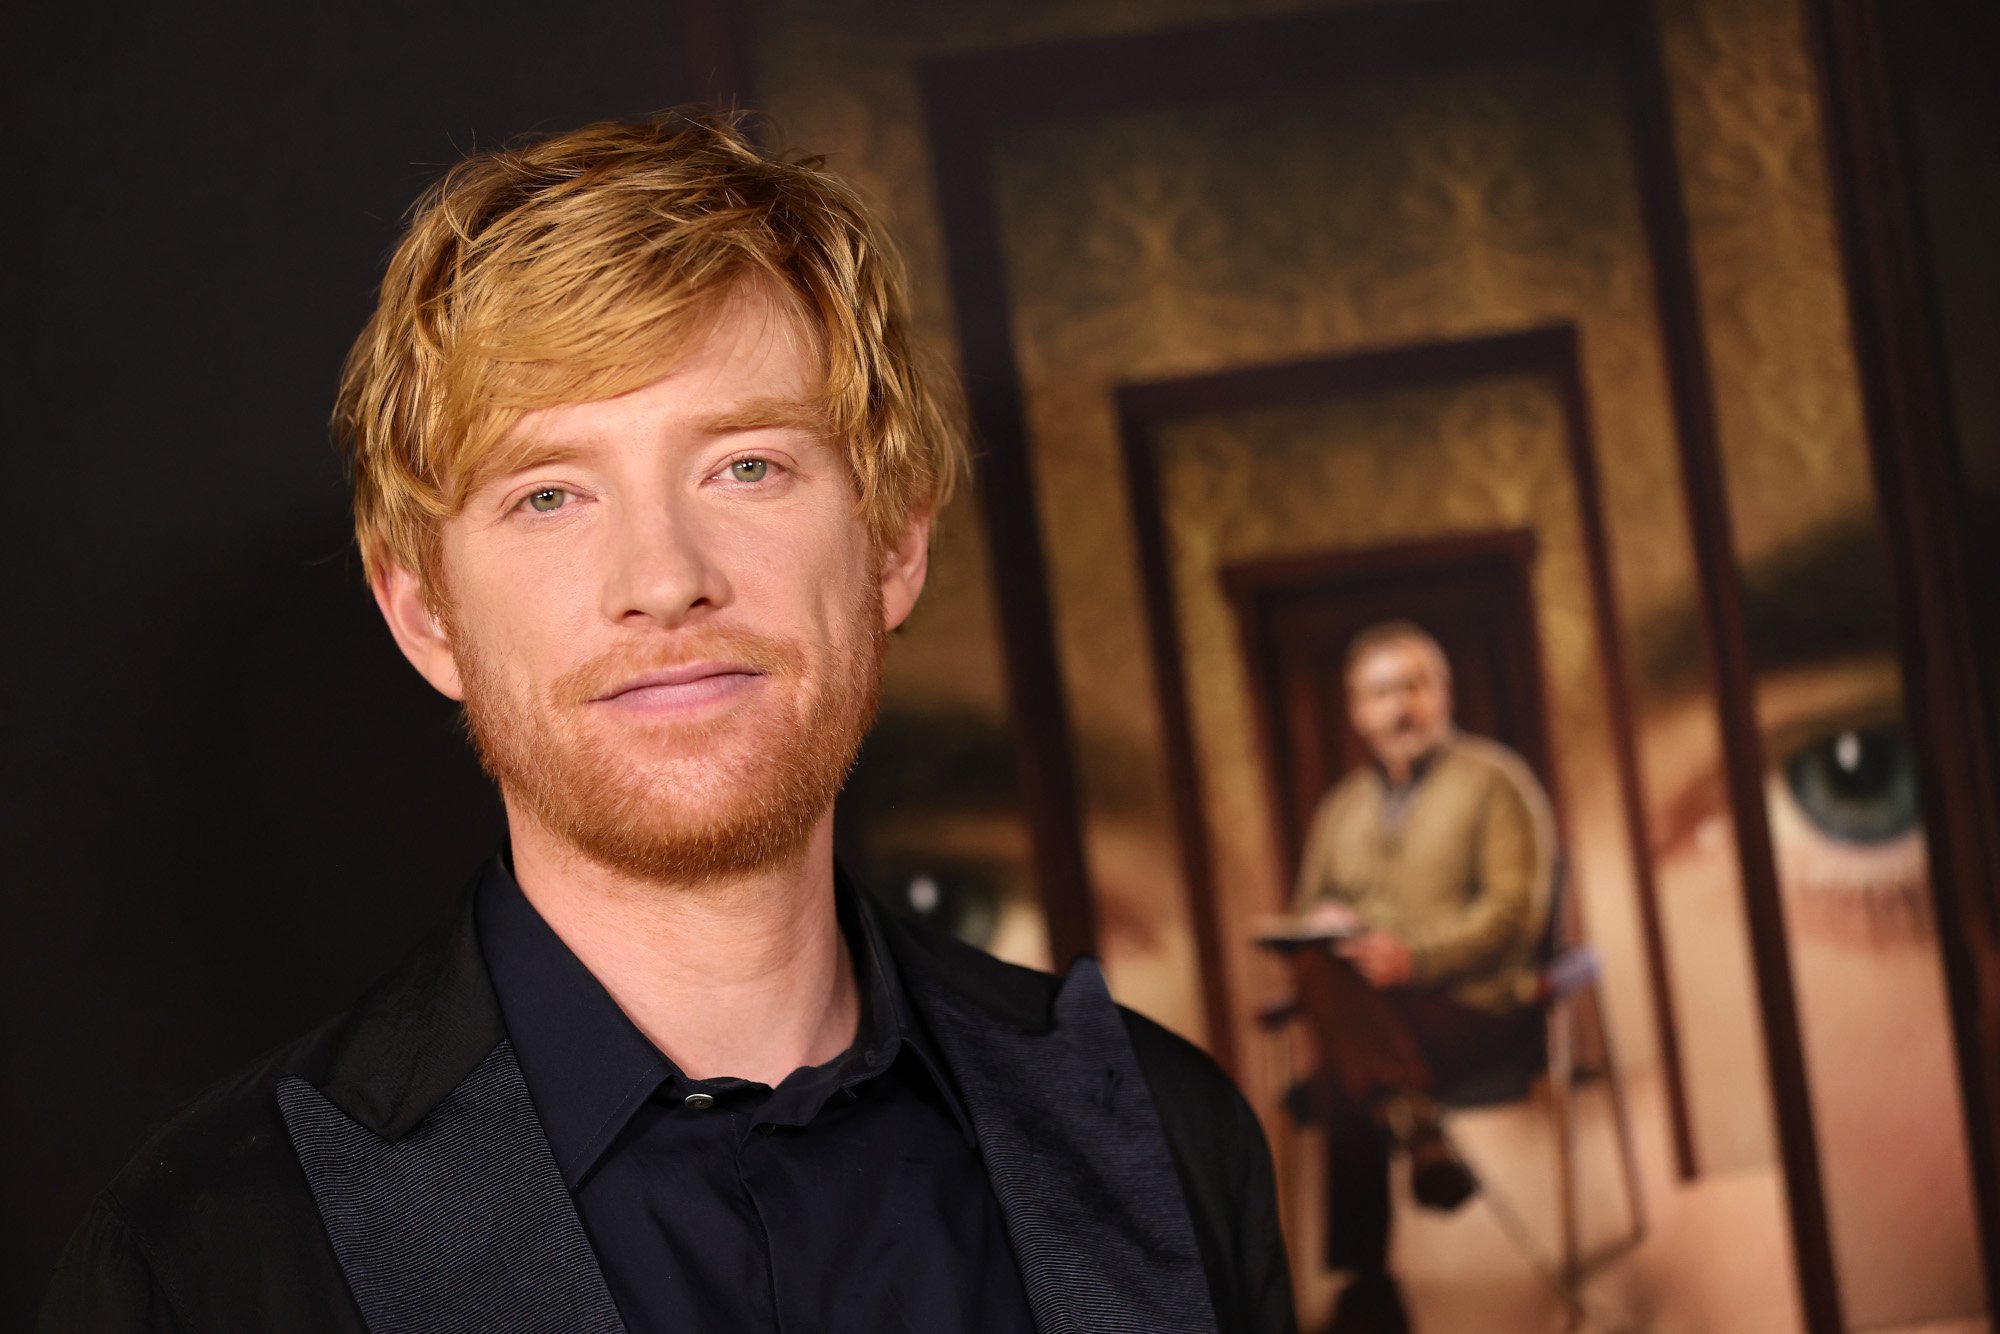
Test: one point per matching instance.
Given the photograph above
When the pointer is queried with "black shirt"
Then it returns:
(849, 1198)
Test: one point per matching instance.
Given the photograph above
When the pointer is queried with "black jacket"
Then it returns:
(386, 1172)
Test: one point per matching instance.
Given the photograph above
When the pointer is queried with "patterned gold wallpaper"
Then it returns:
(1767, 268)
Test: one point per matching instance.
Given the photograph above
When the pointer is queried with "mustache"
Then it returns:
(766, 655)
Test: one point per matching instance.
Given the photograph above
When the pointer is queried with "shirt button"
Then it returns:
(698, 1101)
(766, 1128)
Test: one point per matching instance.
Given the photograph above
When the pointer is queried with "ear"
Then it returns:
(904, 567)
(418, 633)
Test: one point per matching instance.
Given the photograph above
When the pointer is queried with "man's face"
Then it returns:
(666, 624)
(1400, 701)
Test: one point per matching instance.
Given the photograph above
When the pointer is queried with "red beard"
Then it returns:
(692, 803)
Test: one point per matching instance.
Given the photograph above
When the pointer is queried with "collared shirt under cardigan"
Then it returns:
(850, 1197)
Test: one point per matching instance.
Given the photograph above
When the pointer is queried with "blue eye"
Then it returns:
(548, 500)
(750, 470)
(1858, 786)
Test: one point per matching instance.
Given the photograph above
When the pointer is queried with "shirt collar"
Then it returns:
(1420, 767)
(587, 1066)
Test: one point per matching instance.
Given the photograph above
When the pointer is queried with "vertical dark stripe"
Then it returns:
(1920, 492)
(1163, 635)
(1619, 705)
(1006, 493)
(1692, 392)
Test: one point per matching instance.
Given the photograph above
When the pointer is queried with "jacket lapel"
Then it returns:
(1078, 1160)
(436, 1185)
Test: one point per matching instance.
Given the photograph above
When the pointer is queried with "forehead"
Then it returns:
(753, 369)
(1393, 663)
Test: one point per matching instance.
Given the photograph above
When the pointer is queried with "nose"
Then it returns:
(660, 569)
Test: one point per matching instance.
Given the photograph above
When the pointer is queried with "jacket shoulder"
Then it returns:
(1357, 784)
(228, 1140)
(1494, 760)
(215, 1210)
(1015, 992)
(1177, 1070)
(212, 1206)
(1180, 1072)
(1224, 1164)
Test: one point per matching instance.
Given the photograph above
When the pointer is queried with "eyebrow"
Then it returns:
(758, 414)
(1822, 596)
(516, 456)
(769, 414)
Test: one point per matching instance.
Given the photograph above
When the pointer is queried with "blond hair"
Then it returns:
(576, 267)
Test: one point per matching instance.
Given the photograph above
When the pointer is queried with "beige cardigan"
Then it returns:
(1464, 881)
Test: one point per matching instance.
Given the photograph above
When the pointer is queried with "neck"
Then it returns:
(746, 977)
(1399, 770)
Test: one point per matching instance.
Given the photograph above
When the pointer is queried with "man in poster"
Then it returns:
(1432, 865)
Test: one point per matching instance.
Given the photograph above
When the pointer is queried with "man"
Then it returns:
(644, 474)
(1433, 864)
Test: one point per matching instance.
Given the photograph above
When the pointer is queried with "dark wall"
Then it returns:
(229, 803)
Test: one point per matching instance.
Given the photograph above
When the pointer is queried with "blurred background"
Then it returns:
(1644, 353)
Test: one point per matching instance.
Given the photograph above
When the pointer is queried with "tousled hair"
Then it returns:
(577, 267)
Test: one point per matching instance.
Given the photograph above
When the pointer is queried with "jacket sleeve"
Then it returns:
(1513, 868)
(1264, 1296)
(103, 1284)
(1225, 1172)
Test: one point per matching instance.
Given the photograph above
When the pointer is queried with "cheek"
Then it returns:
(523, 625)
(838, 579)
